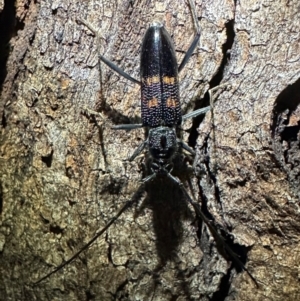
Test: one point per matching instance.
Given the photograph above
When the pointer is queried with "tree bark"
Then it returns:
(64, 173)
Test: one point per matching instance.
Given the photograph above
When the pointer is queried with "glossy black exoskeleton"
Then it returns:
(161, 116)
(159, 79)
(160, 102)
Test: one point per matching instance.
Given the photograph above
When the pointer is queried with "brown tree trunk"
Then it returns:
(64, 174)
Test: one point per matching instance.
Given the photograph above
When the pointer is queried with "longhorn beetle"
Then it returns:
(161, 116)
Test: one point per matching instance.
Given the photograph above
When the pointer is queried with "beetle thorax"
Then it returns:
(162, 143)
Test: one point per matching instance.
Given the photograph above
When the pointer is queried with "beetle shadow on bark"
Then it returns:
(114, 116)
(170, 209)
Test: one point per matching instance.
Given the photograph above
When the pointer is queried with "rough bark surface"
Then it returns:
(64, 175)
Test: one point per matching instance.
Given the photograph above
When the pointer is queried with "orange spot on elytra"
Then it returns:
(171, 103)
(153, 102)
(151, 80)
(169, 80)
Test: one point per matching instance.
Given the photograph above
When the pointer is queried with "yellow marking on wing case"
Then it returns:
(153, 102)
(151, 80)
(169, 80)
(171, 102)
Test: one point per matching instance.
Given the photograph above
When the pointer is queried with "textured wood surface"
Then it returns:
(64, 175)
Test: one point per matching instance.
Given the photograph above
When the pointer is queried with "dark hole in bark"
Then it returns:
(48, 159)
